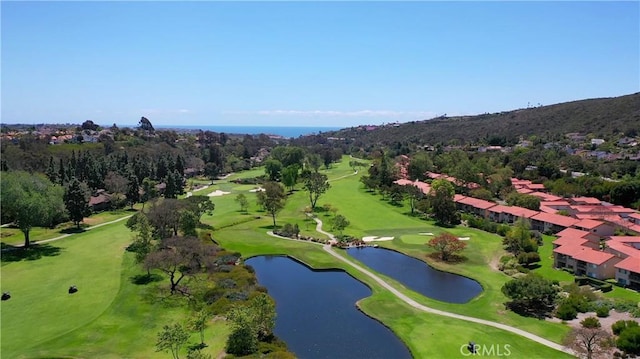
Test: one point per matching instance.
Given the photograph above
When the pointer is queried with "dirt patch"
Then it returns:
(605, 322)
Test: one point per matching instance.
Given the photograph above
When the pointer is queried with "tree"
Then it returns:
(316, 184)
(250, 324)
(164, 216)
(313, 161)
(242, 201)
(290, 176)
(414, 194)
(442, 204)
(175, 184)
(264, 314)
(244, 336)
(589, 339)
(149, 190)
(30, 200)
(172, 338)
(629, 340)
(179, 257)
(188, 223)
(274, 199)
(142, 244)
(133, 191)
(198, 323)
(76, 200)
(530, 294)
(519, 241)
(199, 205)
(446, 244)
(116, 184)
(273, 169)
(340, 222)
(419, 166)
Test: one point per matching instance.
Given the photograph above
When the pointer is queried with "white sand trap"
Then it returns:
(259, 189)
(376, 239)
(426, 234)
(217, 193)
(464, 238)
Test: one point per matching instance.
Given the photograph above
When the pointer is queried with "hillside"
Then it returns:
(601, 117)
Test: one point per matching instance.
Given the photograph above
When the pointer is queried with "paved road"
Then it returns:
(426, 309)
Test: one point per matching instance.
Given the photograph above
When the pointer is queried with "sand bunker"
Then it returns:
(425, 234)
(217, 193)
(376, 239)
(464, 238)
(260, 189)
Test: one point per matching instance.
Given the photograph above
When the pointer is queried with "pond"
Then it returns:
(417, 275)
(317, 315)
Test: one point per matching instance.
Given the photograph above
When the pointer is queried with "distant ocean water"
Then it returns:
(285, 131)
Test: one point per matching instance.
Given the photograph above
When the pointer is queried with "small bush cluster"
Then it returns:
(595, 283)
(288, 230)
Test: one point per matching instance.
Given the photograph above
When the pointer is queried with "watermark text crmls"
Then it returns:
(485, 350)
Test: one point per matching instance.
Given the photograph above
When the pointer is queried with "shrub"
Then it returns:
(621, 325)
(590, 322)
(629, 341)
(502, 230)
(602, 312)
(566, 311)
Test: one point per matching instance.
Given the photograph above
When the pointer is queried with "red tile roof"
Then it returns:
(588, 224)
(573, 232)
(546, 209)
(520, 212)
(556, 219)
(586, 200)
(585, 254)
(458, 197)
(570, 240)
(523, 190)
(635, 216)
(477, 203)
(555, 203)
(630, 263)
(545, 196)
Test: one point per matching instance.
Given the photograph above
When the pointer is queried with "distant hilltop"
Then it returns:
(602, 117)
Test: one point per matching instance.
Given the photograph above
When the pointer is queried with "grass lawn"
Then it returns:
(13, 236)
(106, 318)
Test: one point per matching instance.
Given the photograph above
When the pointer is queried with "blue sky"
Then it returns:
(308, 63)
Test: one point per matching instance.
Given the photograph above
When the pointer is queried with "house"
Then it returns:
(549, 222)
(618, 258)
(424, 187)
(575, 236)
(100, 201)
(597, 141)
(472, 205)
(585, 201)
(583, 260)
(509, 214)
(599, 228)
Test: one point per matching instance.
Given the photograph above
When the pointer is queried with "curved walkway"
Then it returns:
(70, 234)
(426, 309)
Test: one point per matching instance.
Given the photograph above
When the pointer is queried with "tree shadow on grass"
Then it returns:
(34, 252)
(73, 230)
(144, 279)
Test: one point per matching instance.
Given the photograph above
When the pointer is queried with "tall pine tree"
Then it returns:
(76, 200)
